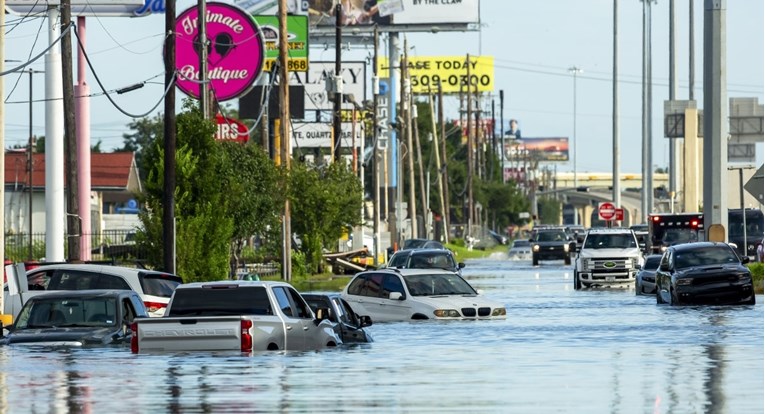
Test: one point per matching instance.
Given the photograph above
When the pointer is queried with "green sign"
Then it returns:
(297, 41)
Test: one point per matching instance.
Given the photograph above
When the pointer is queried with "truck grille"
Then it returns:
(608, 265)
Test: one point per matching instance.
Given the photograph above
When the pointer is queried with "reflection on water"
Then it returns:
(559, 350)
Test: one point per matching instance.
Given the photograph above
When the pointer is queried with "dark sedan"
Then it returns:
(348, 326)
(76, 318)
(645, 280)
(703, 272)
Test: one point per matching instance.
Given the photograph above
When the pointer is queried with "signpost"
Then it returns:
(606, 211)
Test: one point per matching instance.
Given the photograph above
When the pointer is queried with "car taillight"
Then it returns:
(694, 223)
(154, 306)
(655, 218)
(246, 336)
(134, 338)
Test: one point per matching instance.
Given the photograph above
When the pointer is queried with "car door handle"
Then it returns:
(305, 328)
(289, 327)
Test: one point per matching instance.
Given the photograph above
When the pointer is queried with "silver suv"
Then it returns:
(608, 257)
(154, 287)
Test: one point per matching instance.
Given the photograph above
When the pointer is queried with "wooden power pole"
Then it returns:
(70, 135)
(284, 115)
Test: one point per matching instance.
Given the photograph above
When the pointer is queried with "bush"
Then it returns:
(757, 270)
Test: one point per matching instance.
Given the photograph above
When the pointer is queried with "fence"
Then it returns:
(113, 245)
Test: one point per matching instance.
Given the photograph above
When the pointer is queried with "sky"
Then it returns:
(533, 44)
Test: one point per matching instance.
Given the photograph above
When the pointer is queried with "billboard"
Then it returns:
(319, 135)
(317, 98)
(236, 52)
(297, 41)
(387, 14)
(78, 7)
(537, 149)
(450, 71)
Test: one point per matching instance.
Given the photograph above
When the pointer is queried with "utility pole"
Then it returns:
(616, 182)
(647, 197)
(70, 136)
(284, 115)
(691, 54)
(204, 87)
(423, 183)
(502, 133)
(30, 162)
(338, 84)
(168, 199)
(445, 172)
(406, 91)
(673, 150)
(375, 164)
(437, 151)
(470, 166)
(493, 148)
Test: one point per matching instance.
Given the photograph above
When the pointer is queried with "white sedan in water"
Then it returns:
(521, 250)
(393, 294)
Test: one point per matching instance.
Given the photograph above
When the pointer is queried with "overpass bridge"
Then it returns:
(594, 187)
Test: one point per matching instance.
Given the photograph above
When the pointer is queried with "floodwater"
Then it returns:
(558, 351)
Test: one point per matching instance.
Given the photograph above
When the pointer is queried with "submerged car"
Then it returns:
(521, 250)
(425, 259)
(348, 325)
(405, 294)
(645, 281)
(76, 318)
(703, 272)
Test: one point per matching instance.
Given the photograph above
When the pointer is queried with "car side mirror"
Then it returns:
(461, 265)
(395, 296)
(531, 240)
(745, 260)
(364, 321)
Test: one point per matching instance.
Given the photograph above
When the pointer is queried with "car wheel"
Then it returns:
(567, 260)
(577, 282)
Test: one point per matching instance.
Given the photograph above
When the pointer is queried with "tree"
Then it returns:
(146, 131)
(325, 203)
(204, 228)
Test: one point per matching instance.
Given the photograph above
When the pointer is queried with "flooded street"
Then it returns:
(559, 350)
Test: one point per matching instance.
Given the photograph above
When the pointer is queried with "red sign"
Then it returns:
(619, 214)
(607, 211)
(230, 129)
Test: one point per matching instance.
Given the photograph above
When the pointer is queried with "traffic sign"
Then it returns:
(606, 211)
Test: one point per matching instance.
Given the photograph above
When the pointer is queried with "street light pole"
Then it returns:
(29, 161)
(574, 70)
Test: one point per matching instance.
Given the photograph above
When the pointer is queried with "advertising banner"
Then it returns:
(319, 135)
(450, 71)
(386, 13)
(229, 129)
(77, 7)
(297, 41)
(236, 52)
(354, 82)
(537, 149)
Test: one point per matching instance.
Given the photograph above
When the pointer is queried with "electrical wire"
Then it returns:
(38, 56)
(18, 78)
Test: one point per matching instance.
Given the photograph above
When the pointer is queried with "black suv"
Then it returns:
(551, 244)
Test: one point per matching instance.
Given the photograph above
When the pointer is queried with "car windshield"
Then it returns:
(432, 261)
(678, 236)
(705, 256)
(546, 236)
(610, 241)
(439, 284)
(67, 312)
(521, 243)
(414, 243)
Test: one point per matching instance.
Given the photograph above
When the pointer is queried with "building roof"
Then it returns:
(108, 171)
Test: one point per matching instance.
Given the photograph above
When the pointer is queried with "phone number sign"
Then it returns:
(451, 72)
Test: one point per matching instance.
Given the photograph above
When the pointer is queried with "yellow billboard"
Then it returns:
(450, 71)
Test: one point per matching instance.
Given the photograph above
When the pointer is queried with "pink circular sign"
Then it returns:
(235, 51)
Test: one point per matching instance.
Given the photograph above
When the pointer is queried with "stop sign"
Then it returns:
(606, 211)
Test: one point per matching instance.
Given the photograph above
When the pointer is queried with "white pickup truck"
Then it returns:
(242, 316)
(608, 257)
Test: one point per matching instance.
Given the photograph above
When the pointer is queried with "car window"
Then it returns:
(251, 300)
(300, 308)
(159, 284)
(705, 256)
(341, 313)
(283, 301)
(545, 236)
(72, 280)
(128, 313)
(367, 285)
(652, 262)
(521, 243)
(111, 282)
(39, 280)
(392, 283)
(398, 259)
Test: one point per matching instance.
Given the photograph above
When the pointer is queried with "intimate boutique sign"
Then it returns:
(235, 51)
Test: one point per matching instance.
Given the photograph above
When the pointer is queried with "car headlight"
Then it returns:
(684, 281)
(499, 312)
(565, 247)
(446, 313)
(745, 278)
(535, 247)
(663, 249)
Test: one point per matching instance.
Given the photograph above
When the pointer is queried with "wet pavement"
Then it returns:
(559, 350)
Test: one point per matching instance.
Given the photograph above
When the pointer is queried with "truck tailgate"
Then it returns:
(207, 333)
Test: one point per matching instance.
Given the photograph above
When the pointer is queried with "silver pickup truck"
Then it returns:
(240, 316)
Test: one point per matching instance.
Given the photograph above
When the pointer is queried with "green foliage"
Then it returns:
(299, 264)
(204, 227)
(549, 210)
(324, 202)
(145, 133)
(757, 280)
